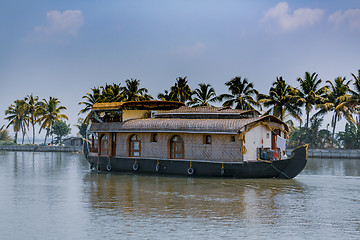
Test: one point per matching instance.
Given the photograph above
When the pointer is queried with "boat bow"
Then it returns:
(297, 162)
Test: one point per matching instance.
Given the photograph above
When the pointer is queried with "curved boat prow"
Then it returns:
(298, 162)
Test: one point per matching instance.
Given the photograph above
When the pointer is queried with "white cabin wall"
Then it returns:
(253, 140)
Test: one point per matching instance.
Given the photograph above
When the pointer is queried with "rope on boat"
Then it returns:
(190, 170)
(98, 164)
(270, 164)
(135, 166)
(157, 167)
(280, 171)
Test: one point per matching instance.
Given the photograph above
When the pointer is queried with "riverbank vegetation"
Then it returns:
(302, 107)
(29, 111)
(4, 137)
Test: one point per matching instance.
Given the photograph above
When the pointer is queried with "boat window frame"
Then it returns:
(101, 145)
(132, 150)
(154, 137)
(207, 139)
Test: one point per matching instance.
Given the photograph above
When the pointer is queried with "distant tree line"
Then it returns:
(340, 97)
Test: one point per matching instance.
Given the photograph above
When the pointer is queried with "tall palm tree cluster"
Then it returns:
(29, 111)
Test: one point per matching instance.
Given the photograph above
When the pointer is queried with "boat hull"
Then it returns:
(286, 168)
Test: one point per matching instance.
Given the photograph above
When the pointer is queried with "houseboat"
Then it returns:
(169, 138)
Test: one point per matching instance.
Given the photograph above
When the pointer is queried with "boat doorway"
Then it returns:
(176, 148)
(274, 133)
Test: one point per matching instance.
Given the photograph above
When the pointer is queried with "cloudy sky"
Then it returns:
(64, 48)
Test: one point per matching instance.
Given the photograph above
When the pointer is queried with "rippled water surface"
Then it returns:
(56, 196)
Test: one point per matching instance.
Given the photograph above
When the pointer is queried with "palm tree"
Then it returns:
(310, 93)
(311, 135)
(314, 136)
(295, 137)
(49, 113)
(242, 94)
(167, 96)
(325, 139)
(4, 136)
(335, 96)
(132, 92)
(203, 95)
(181, 90)
(282, 98)
(353, 101)
(90, 100)
(17, 116)
(33, 107)
(112, 93)
(357, 82)
(350, 138)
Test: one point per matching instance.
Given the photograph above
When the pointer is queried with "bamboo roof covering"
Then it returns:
(183, 125)
(107, 106)
(151, 105)
(207, 109)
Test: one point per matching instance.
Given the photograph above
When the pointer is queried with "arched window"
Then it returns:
(104, 145)
(134, 146)
(177, 147)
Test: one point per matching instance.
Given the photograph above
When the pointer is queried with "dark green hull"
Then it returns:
(286, 168)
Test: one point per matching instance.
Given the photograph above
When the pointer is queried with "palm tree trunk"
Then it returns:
(33, 125)
(332, 136)
(23, 134)
(15, 138)
(307, 119)
(52, 136)
(46, 135)
(333, 132)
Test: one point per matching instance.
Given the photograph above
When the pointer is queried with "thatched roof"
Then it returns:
(207, 112)
(107, 106)
(182, 125)
(150, 105)
(206, 109)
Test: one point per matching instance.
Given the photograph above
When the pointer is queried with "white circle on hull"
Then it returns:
(135, 167)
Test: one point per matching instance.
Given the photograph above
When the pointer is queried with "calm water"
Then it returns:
(55, 196)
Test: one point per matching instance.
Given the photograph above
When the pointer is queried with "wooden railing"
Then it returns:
(106, 118)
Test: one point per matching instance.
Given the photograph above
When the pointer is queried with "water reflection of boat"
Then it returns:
(192, 197)
(161, 137)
